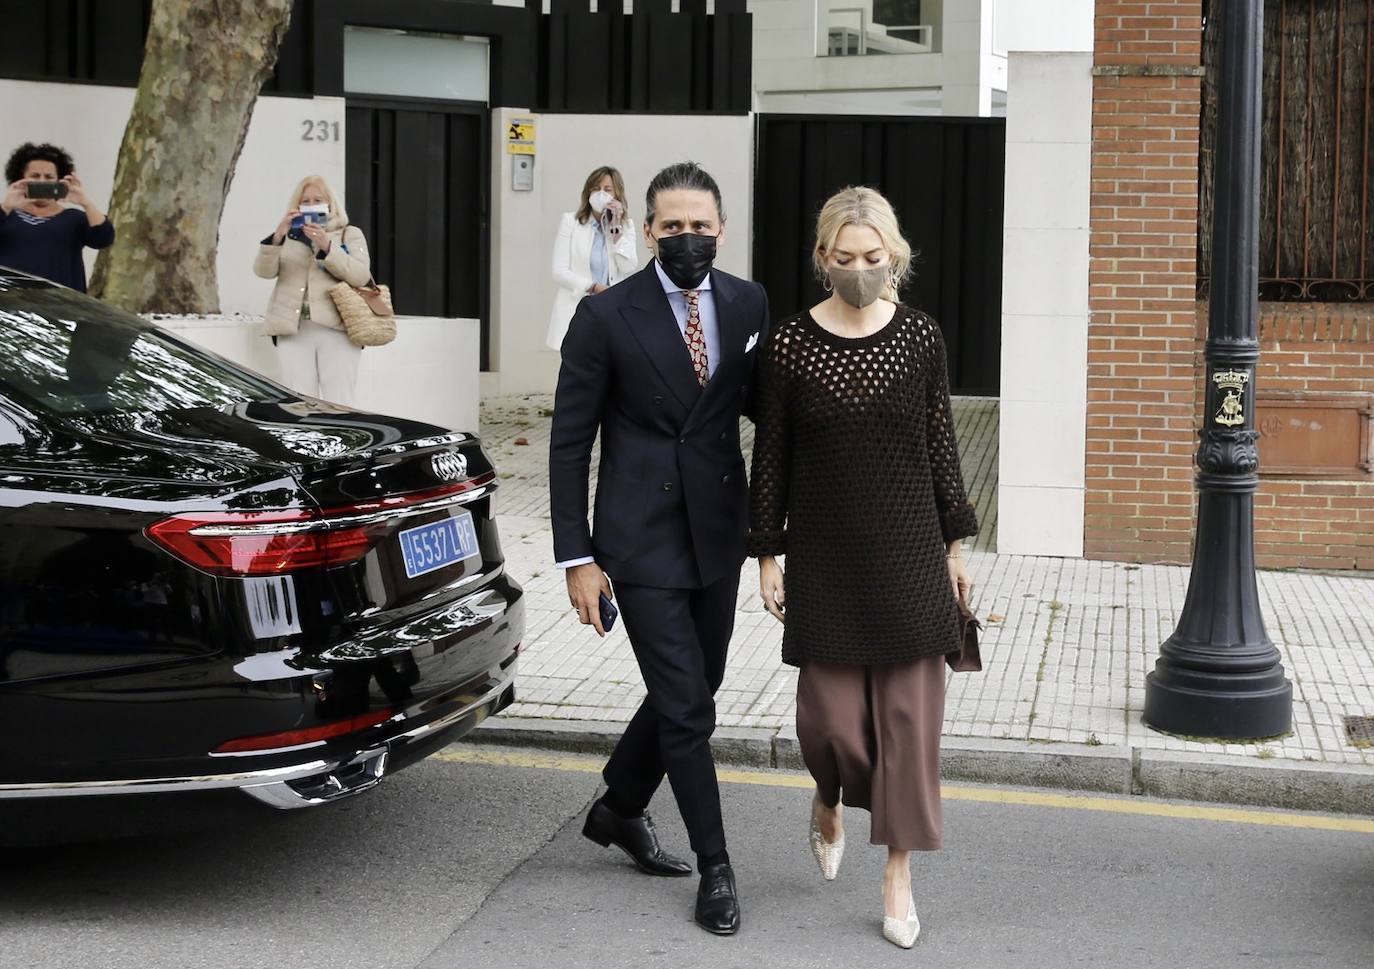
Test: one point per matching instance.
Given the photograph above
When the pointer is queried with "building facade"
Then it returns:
(1105, 307)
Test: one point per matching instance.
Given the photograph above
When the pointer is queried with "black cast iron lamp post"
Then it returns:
(1219, 675)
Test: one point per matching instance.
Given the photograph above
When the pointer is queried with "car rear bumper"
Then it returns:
(321, 778)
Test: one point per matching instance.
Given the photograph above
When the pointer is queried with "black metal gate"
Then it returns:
(944, 176)
(418, 187)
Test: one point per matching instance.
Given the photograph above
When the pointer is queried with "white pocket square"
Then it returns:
(753, 342)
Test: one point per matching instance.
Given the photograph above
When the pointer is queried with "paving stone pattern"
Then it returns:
(1067, 642)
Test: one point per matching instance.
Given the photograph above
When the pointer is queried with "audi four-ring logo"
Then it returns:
(449, 466)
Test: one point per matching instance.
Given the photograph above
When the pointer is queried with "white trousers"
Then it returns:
(321, 362)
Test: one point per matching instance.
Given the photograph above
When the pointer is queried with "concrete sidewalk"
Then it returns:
(1067, 645)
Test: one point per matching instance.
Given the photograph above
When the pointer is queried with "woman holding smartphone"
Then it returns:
(594, 249)
(46, 218)
(309, 252)
(874, 562)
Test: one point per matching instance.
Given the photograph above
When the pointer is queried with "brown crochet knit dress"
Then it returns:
(856, 480)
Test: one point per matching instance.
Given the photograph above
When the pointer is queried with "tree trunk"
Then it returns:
(203, 65)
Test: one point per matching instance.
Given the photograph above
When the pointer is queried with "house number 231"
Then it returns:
(319, 131)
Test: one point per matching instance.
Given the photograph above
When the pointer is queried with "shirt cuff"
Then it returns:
(571, 563)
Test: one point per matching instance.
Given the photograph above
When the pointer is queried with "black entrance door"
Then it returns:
(417, 186)
(944, 176)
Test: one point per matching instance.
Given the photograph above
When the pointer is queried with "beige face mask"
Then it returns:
(859, 287)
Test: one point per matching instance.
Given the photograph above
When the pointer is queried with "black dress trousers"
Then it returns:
(680, 638)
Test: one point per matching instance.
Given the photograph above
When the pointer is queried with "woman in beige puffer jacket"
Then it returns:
(317, 358)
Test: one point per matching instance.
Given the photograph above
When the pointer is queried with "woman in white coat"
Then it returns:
(309, 252)
(595, 248)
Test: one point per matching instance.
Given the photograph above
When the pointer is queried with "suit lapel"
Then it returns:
(731, 335)
(654, 326)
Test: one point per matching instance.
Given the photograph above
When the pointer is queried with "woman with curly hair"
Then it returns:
(46, 218)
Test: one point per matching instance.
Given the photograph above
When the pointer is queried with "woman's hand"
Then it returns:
(317, 235)
(76, 192)
(15, 196)
(595, 288)
(284, 226)
(771, 580)
(615, 212)
(960, 579)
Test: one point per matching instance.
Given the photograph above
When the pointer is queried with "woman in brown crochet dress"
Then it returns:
(856, 481)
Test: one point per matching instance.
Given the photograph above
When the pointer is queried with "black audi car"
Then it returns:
(209, 582)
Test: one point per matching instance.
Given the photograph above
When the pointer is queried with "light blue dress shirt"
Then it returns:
(600, 262)
(706, 309)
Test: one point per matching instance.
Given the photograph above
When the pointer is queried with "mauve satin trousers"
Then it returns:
(870, 736)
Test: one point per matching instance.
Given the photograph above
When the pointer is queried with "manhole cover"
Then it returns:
(1360, 730)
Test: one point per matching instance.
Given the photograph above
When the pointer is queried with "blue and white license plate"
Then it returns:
(436, 545)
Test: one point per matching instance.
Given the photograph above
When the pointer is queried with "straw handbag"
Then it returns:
(366, 312)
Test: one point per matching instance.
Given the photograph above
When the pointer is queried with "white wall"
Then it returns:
(965, 78)
(88, 121)
(429, 373)
(524, 224)
(1045, 278)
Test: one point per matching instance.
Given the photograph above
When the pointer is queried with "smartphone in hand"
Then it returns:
(45, 190)
(608, 612)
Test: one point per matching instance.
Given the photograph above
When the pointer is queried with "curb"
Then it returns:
(1169, 775)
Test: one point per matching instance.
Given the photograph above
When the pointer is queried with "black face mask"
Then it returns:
(687, 258)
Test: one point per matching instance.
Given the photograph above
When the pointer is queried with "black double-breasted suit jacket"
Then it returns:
(672, 497)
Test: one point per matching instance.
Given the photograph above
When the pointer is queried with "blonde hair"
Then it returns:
(338, 217)
(862, 206)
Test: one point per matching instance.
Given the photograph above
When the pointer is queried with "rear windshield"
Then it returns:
(65, 353)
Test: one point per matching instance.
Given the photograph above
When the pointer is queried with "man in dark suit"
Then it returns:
(662, 364)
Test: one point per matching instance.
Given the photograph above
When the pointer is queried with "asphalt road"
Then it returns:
(457, 863)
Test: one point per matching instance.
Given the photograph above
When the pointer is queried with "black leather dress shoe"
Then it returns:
(636, 837)
(717, 903)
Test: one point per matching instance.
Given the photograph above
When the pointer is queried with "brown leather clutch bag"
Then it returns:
(967, 659)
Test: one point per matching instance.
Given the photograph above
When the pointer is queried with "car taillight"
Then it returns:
(308, 735)
(246, 543)
(231, 543)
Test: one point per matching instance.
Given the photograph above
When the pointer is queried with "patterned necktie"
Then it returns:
(696, 340)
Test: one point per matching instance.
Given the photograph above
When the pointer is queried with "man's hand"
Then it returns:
(586, 583)
(771, 581)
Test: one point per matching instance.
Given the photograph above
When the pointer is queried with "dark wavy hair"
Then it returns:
(27, 152)
(687, 175)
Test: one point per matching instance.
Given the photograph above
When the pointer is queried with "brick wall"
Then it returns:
(1142, 281)
(1145, 360)
(1314, 349)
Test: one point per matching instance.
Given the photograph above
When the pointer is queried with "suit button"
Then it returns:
(658, 400)
(667, 486)
(724, 435)
(725, 479)
(682, 440)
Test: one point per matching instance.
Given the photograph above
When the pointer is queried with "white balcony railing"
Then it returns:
(851, 31)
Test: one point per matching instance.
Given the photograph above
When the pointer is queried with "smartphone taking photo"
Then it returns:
(45, 190)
